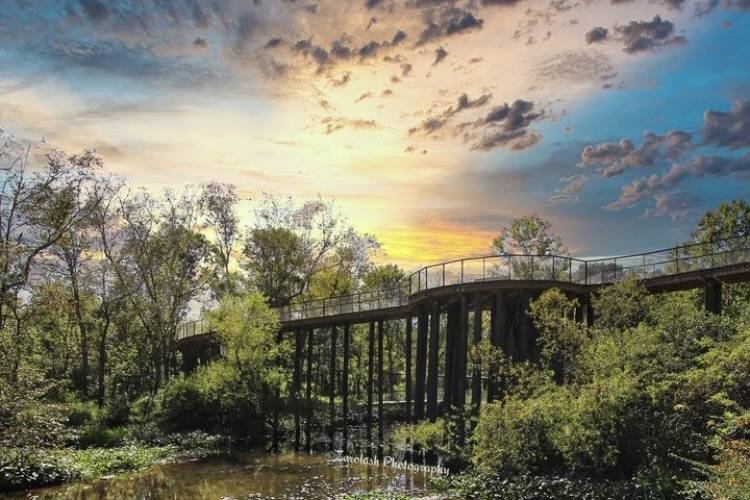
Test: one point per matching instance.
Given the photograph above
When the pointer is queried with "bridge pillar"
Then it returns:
(345, 390)
(453, 315)
(407, 355)
(459, 374)
(332, 392)
(432, 368)
(476, 376)
(527, 332)
(587, 310)
(421, 364)
(500, 338)
(380, 389)
(712, 292)
(370, 372)
(299, 345)
(308, 391)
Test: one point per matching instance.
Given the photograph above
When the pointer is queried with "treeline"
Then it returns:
(95, 275)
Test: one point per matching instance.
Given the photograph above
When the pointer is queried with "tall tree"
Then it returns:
(218, 202)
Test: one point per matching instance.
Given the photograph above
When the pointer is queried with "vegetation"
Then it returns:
(649, 401)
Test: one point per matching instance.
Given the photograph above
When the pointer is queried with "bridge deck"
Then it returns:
(677, 268)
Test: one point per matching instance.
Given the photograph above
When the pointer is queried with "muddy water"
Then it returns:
(243, 475)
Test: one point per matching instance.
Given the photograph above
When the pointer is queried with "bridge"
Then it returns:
(447, 304)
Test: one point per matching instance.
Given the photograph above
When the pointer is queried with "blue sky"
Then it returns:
(432, 122)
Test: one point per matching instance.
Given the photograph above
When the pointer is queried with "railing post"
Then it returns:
(532, 267)
(324, 307)
(484, 268)
(677, 260)
(615, 278)
(586, 272)
(553, 268)
(443, 275)
(462, 271)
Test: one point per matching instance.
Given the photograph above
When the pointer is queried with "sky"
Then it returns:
(432, 123)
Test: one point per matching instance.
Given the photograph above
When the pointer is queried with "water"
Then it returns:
(240, 476)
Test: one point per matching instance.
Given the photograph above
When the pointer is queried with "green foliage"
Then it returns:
(529, 487)
(529, 235)
(95, 436)
(218, 398)
(560, 336)
(27, 469)
(100, 462)
(423, 435)
(621, 306)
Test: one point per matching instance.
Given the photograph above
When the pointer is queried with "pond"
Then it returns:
(243, 475)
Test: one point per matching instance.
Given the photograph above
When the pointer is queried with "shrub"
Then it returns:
(96, 436)
(21, 469)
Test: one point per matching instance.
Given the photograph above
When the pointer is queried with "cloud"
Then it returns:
(429, 126)
(364, 96)
(574, 66)
(449, 22)
(274, 42)
(642, 36)
(614, 158)
(200, 43)
(440, 54)
(515, 140)
(95, 10)
(570, 192)
(334, 124)
(728, 129)
(673, 205)
(597, 34)
(699, 166)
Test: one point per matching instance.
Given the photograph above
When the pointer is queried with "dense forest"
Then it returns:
(652, 400)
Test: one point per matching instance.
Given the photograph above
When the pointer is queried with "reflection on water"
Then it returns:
(242, 475)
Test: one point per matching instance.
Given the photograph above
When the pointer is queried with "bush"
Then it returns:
(95, 436)
(21, 469)
(216, 399)
(528, 487)
(80, 413)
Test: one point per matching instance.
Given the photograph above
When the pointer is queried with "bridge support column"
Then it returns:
(308, 391)
(370, 371)
(332, 392)
(527, 332)
(421, 364)
(712, 291)
(432, 368)
(459, 374)
(452, 333)
(588, 310)
(500, 339)
(476, 376)
(345, 390)
(380, 389)
(299, 346)
(407, 355)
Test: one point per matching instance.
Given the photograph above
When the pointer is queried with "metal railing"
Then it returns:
(192, 328)
(558, 268)
(334, 306)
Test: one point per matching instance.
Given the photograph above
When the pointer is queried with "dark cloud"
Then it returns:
(642, 36)
(274, 42)
(597, 34)
(574, 66)
(728, 129)
(500, 2)
(371, 4)
(200, 43)
(440, 54)
(615, 158)
(515, 140)
(399, 37)
(429, 126)
(674, 205)
(386, 93)
(94, 10)
(699, 166)
(449, 22)
(464, 102)
(406, 69)
(518, 115)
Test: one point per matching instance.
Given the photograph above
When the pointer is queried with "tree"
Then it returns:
(218, 202)
(528, 235)
(290, 243)
(728, 220)
(43, 194)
